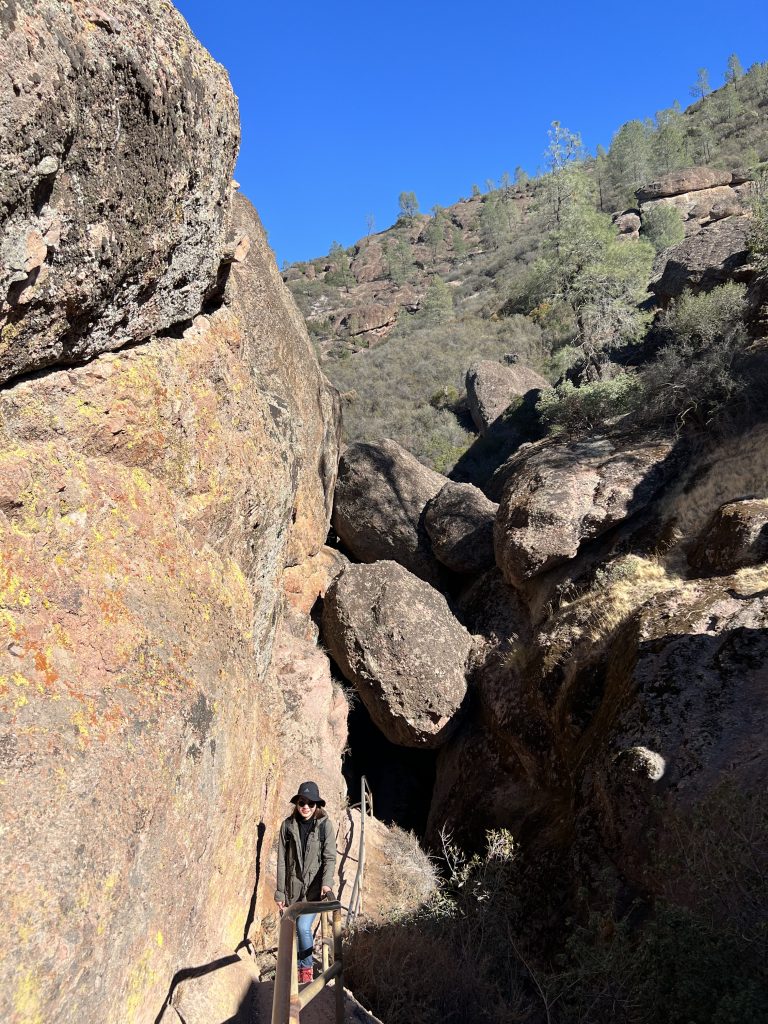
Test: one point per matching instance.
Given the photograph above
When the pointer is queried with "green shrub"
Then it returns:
(694, 373)
(589, 406)
(663, 226)
(707, 317)
(447, 397)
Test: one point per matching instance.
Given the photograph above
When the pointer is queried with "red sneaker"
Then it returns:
(305, 975)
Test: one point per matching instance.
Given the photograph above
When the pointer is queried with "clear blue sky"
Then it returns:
(344, 105)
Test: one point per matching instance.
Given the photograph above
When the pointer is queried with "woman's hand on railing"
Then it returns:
(326, 892)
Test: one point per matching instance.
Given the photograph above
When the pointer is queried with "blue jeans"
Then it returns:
(304, 925)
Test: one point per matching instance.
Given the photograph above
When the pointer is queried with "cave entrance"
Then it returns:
(401, 779)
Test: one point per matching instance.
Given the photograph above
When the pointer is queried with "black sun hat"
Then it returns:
(309, 791)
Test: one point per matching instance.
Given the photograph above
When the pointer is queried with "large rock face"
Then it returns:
(685, 711)
(118, 138)
(394, 637)
(561, 494)
(707, 258)
(378, 510)
(150, 500)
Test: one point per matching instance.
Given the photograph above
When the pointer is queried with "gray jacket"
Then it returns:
(302, 876)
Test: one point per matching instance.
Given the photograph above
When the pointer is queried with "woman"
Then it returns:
(306, 859)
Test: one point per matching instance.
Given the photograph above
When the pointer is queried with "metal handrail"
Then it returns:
(287, 1001)
(366, 807)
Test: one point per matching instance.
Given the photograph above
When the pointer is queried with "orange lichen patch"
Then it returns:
(44, 667)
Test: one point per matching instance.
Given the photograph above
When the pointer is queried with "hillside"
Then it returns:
(399, 317)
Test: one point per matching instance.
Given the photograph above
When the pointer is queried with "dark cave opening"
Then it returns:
(401, 779)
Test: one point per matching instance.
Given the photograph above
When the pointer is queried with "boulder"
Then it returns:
(151, 499)
(736, 536)
(379, 504)
(628, 223)
(703, 260)
(305, 583)
(313, 726)
(395, 639)
(493, 610)
(119, 134)
(562, 493)
(492, 386)
(459, 521)
(690, 179)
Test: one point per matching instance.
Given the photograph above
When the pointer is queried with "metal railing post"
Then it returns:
(338, 959)
(294, 1011)
(356, 898)
(325, 940)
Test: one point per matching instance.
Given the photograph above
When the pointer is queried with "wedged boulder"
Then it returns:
(459, 521)
(703, 260)
(396, 640)
(560, 494)
(378, 509)
(119, 135)
(685, 712)
(736, 536)
(492, 386)
(690, 179)
(152, 499)
(494, 610)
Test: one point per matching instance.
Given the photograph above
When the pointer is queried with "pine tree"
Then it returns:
(565, 182)
(435, 231)
(397, 256)
(669, 144)
(341, 275)
(437, 305)
(701, 86)
(734, 71)
(629, 159)
(458, 244)
(492, 221)
(602, 177)
(599, 277)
